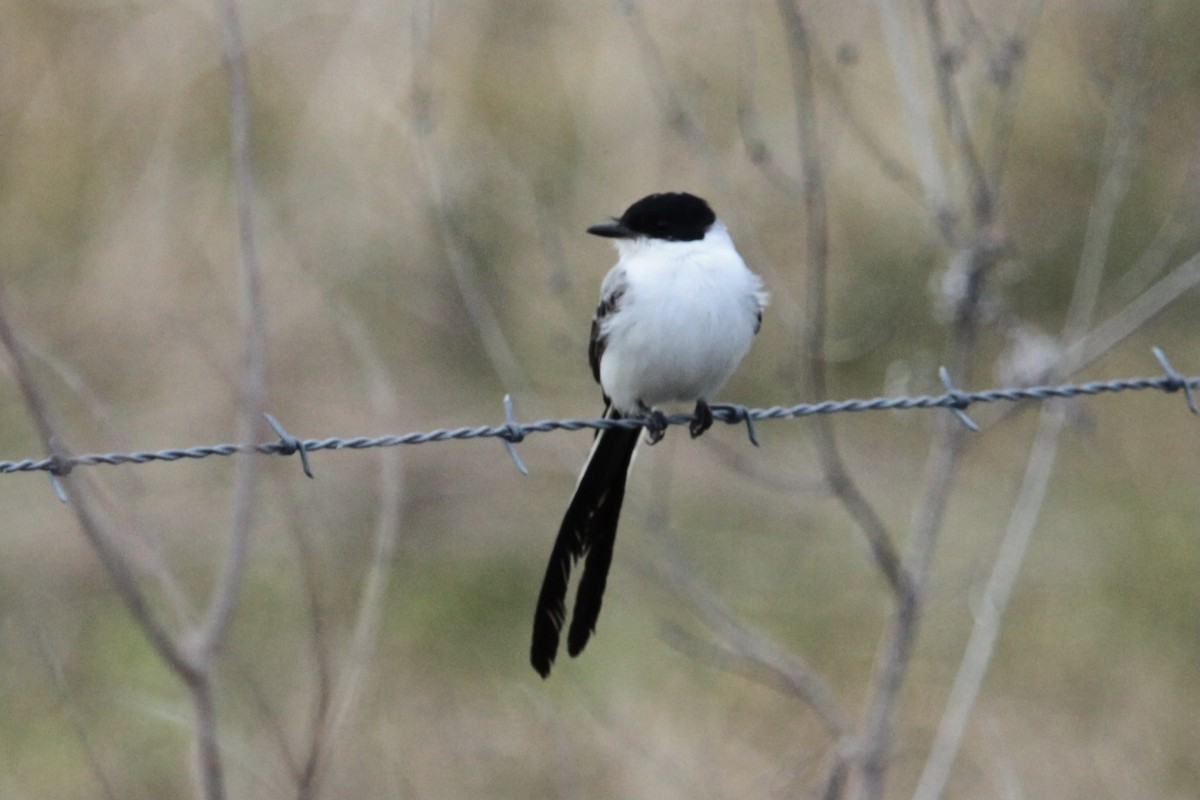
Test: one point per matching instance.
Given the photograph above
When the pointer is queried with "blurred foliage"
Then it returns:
(412, 162)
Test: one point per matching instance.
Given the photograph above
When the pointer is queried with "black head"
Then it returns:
(674, 216)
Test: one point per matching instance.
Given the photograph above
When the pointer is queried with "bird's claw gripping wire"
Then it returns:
(656, 426)
(702, 420)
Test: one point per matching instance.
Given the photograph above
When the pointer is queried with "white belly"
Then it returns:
(678, 337)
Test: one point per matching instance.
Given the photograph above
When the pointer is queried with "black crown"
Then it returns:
(674, 216)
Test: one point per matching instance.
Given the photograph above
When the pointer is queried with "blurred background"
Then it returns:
(425, 176)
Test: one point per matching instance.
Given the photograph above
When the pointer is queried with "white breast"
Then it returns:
(684, 323)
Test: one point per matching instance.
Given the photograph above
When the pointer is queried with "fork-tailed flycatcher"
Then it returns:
(677, 314)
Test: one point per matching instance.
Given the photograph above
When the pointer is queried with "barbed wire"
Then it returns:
(513, 432)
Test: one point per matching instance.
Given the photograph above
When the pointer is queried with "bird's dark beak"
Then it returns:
(611, 230)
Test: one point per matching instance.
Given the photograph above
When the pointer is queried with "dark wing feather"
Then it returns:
(596, 346)
(598, 341)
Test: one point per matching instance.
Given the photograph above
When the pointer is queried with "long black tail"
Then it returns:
(589, 528)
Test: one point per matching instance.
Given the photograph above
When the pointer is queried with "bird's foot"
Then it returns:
(656, 426)
(703, 419)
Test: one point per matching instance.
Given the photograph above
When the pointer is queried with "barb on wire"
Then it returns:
(735, 414)
(958, 407)
(289, 444)
(60, 465)
(512, 432)
(1175, 381)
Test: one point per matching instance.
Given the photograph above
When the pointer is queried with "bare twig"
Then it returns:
(1153, 260)
(71, 712)
(922, 142)
(740, 460)
(817, 261)
(1007, 69)
(77, 383)
(975, 253)
(865, 131)
(1101, 339)
(753, 141)
(750, 653)
(764, 663)
(743, 651)
(211, 776)
(677, 115)
(95, 527)
(336, 690)
(307, 775)
(759, 152)
(1177, 225)
(252, 389)
(249, 408)
(462, 268)
(986, 628)
(1116, 162)
(979, 189)
(347, 686)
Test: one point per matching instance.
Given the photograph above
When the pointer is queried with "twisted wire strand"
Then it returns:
(512, 432)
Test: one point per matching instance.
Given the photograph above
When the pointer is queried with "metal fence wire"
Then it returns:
(513, 432)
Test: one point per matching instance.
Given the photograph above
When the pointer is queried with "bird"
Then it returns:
(677, 314)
